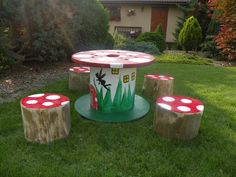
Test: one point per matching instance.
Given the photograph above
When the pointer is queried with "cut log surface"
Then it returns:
(46, 117)
(79, 79)
(178, 117)
(155, 86)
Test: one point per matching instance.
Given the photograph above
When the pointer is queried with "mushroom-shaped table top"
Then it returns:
(112, 85)
(113, 58)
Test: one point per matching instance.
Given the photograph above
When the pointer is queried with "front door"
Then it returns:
(159, 16)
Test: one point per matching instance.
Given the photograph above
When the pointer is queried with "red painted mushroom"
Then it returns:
(80, 69)
(178, 117)
(155, 85)
(93, 98)
(79, 79)
(158, 77)
(46, 117)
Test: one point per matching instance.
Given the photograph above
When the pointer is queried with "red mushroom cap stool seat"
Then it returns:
(46, 117)
(79, 79)
(155, 85)
(178, 117)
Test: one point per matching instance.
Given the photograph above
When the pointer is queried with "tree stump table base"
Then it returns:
(155, 86)
(178, 117)
(46, 117)
(79, 79)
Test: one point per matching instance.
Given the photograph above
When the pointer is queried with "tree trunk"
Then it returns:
(79, 81)
(152, 88)
(46, 125)
(174, 125)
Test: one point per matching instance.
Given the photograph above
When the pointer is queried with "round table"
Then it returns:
(112, 85)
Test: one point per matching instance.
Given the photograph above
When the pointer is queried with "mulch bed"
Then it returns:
(27, 77)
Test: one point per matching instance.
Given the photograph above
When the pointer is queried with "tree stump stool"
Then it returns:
(178, 117)
(157, 85)
(79, 78)
(46, 117)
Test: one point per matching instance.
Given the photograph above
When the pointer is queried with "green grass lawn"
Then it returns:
(132, 149)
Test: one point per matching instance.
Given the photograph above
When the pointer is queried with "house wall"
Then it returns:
(173, 14)
(142, 18)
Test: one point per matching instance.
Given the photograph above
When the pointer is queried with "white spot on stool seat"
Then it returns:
(31, 102)
(184, 100)
(200, 107)
(184, 108)
(53, 97)
(37, 95)
(48, 103)
(165, 106)
(168, 99)
(64, 103)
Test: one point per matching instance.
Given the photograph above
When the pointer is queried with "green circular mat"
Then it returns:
(141, 108)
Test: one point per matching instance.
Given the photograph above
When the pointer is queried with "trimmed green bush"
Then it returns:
(156, 38)
(119, 40)
(146, 47)
(190, 35)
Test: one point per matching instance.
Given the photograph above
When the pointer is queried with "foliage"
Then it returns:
(52, 30)
(209, 46)
(198, 9)
(190, 35)
(146, 47)
(225, 13)
(119, 40)
(183, 58)
(109, 42)
(159, 30)
(154, 37)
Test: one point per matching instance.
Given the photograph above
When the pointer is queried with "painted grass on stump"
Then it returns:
(132, 149)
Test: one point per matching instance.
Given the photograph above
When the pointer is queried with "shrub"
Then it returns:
(224, 12)
(146, 47)
(109, 42)
(190, 35)
(159, 30)
(156, 38)
(6, 59)
(119, 40)
(52, 30)
(209, 46)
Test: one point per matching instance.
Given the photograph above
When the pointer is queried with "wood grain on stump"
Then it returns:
(79, 79)
(155, 86)
(178, 117)
(46, 117)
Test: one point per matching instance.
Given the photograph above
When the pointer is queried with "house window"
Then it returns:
(133, 76)
(126, 78)
(115, 71)
(114, 12)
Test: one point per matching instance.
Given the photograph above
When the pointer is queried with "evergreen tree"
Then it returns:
(190, 35)
(197, 8)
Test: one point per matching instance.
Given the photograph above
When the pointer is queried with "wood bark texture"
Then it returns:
(79, 81)
(152, 89)
(173, 125)
(46, 125)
